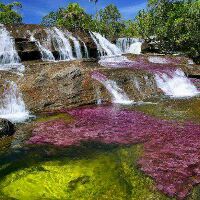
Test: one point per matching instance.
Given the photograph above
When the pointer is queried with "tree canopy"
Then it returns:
(175, 24)
(8, 14)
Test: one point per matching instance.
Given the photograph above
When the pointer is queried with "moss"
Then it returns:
(195, 194)
(174, 109)
(104, 175)
(64, 116)
(5, 143)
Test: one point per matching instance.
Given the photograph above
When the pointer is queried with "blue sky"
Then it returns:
(34, 10)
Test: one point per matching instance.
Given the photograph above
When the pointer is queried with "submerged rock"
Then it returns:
(6, 128)
(91, 172)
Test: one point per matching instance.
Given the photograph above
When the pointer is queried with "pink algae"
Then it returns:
(171, 149)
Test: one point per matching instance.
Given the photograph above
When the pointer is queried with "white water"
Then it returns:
(104, 46)
(130, 45)
(61, 44)
(108, 52)
(9, 59)
(118, 95)
(176, 85)
(46, 54)
(77, 47)
(12, 106)
(86, 50)
(157, 60)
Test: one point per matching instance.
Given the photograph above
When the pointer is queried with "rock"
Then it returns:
(28, 50)
(6, 128)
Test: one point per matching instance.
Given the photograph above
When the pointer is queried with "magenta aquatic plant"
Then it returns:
(171, 149)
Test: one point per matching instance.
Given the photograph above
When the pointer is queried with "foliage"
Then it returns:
(73, 18)
(8, 14)
(176, 24)
(110, 20)
(130, 29)
(107, 21)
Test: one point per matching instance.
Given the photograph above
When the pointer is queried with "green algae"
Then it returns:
(174, 109)
(141, 186)
(103, 174)
(63, 116)
(5, 143)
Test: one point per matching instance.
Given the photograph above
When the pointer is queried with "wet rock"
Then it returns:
(48, 86)
(28, 50)
(6, 128)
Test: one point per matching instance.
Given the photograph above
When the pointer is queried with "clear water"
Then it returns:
(113, 152)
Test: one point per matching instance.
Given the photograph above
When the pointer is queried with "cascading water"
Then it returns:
(46, 54)
(61, 44)
(108, 52)
(176, 84)
(130, 45)
(86, 50)
(76, 46)
(9, 59)
(117, 93)
(109, 48)
(12, 106)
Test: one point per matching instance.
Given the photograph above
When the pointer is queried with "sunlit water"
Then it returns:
(130, 45)
(118, 95)
(12, 106)
(9, 59)
(47, 55)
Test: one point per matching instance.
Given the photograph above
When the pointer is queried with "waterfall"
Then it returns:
(77, 47)
(9, 59)
(12, 106)
(176, 84)
(130, 45)
(108, 52)
(104, 46)
(86, 50)
(118, 95)
(46, 54)
(61, 44)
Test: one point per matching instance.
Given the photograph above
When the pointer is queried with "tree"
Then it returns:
(52, 18)
(8, 15)
(176, 24)
(130, 29)
(110, 21)
(73, 18)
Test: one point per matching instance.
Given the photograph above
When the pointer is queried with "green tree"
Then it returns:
(8, 15)
(110, 21)
(52, 18)
(73, 18)
(176, 24)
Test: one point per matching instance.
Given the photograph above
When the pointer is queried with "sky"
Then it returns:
(34, 10)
